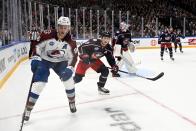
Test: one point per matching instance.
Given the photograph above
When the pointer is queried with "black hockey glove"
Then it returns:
(126, 42)
(115, 69)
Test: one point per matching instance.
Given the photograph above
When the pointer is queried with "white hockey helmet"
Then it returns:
(63, 21)
(123, 26)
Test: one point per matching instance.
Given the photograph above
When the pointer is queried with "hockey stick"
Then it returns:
(148, 78)
(22, 122)
(153, 79)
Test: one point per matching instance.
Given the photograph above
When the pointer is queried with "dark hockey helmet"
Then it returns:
(106, 34)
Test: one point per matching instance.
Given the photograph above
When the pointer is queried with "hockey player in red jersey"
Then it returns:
(90, 53)
(55, 50)
(123, 45)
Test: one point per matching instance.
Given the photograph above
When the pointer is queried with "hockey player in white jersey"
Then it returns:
(123, 46)
(55, 50)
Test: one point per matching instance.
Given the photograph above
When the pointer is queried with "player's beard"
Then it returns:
(61, 35)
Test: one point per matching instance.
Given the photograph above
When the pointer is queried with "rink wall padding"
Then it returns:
(152, 43)
(12, 56)
(10, 59)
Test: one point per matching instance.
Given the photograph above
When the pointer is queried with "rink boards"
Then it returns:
(11, 57)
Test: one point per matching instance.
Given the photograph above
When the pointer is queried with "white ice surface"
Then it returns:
(167, 104)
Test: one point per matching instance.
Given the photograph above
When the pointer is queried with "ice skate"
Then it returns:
(72, 107)
(103, 91)
(26, 115)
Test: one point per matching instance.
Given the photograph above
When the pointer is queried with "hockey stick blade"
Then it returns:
(154, 78)
(148, 78)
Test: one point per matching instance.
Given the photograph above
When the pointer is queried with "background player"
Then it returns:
(178, 41)
(123, 45)
(165, 41)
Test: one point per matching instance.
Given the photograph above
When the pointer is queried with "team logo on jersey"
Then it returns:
(56, 54)
(51, 43)
(167, 38)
